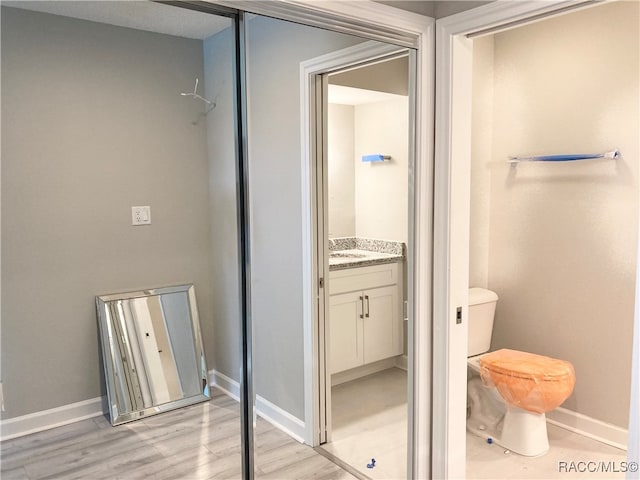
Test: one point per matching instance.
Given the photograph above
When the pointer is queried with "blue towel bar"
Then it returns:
(614, 154)
(376, 157)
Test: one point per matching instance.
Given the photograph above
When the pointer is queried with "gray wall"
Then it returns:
(443, 8)
(275, 50)
(390, 77)
(219, 81)
(421, 7)
(563, 237)
(92, 124)
(434, 9)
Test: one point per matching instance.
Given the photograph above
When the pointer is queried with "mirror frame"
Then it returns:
(109, 353)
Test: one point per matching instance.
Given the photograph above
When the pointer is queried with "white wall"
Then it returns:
(563, 237)
(342, 184)
(369, 199)
(633, 447)
(381, 196)
(481, 160)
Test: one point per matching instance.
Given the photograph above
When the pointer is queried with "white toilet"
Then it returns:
(508, 391)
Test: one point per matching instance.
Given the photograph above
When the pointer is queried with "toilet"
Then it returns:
(509, 391)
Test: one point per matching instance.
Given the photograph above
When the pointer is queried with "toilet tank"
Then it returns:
(482, 307)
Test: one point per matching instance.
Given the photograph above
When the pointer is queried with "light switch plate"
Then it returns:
(141, 215)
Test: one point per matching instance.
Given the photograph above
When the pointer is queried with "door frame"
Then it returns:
(371, 20)
(454, 57)
(314, 87)
(317, 378)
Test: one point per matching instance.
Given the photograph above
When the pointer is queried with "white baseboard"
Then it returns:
(402, 362)
(94, 407)
(279, 418)
(291, 425)
(54, 417)
(589, 427)
(224, 383)
(75, 412)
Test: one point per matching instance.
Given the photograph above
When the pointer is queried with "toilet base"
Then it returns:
(524, 432)
(519, 431)
(512, 428)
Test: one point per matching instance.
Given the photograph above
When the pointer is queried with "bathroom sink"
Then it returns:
(351, 258)
(347, 255)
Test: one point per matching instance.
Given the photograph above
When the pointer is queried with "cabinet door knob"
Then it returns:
(362, 307)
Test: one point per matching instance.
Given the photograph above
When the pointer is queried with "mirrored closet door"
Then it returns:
(329, 254)
(120, 173)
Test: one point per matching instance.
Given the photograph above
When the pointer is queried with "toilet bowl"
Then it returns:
(529, 385)
(509, 391)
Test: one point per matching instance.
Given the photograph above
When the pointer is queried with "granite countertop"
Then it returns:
(352, 252)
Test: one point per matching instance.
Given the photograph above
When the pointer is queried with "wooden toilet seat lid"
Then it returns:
(533, 382)
(524, 365)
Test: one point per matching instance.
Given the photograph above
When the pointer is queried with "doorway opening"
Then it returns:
(363, 204)
(517, 209)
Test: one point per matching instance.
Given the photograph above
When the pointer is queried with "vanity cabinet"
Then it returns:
(365, 315)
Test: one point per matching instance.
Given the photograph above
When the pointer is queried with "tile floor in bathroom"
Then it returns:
(369, 421)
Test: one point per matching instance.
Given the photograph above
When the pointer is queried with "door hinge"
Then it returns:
(321, 282)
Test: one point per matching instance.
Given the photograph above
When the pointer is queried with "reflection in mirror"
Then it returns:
(355, 410)
(152, 352)
(118, 134)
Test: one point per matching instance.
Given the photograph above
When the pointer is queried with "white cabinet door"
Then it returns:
(382, 326)
(345, 331)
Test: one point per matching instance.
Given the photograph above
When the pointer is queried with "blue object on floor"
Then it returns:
(489, 440)
(372, 464)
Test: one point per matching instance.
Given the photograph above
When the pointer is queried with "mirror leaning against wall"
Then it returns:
(152, 352)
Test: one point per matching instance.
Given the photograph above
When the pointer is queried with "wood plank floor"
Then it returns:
(197, 442)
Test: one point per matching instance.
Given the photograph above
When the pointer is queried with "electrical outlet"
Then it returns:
(141, 215)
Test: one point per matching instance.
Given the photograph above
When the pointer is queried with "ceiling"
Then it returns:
(356, 96)
(181, 22)
(141, 15)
